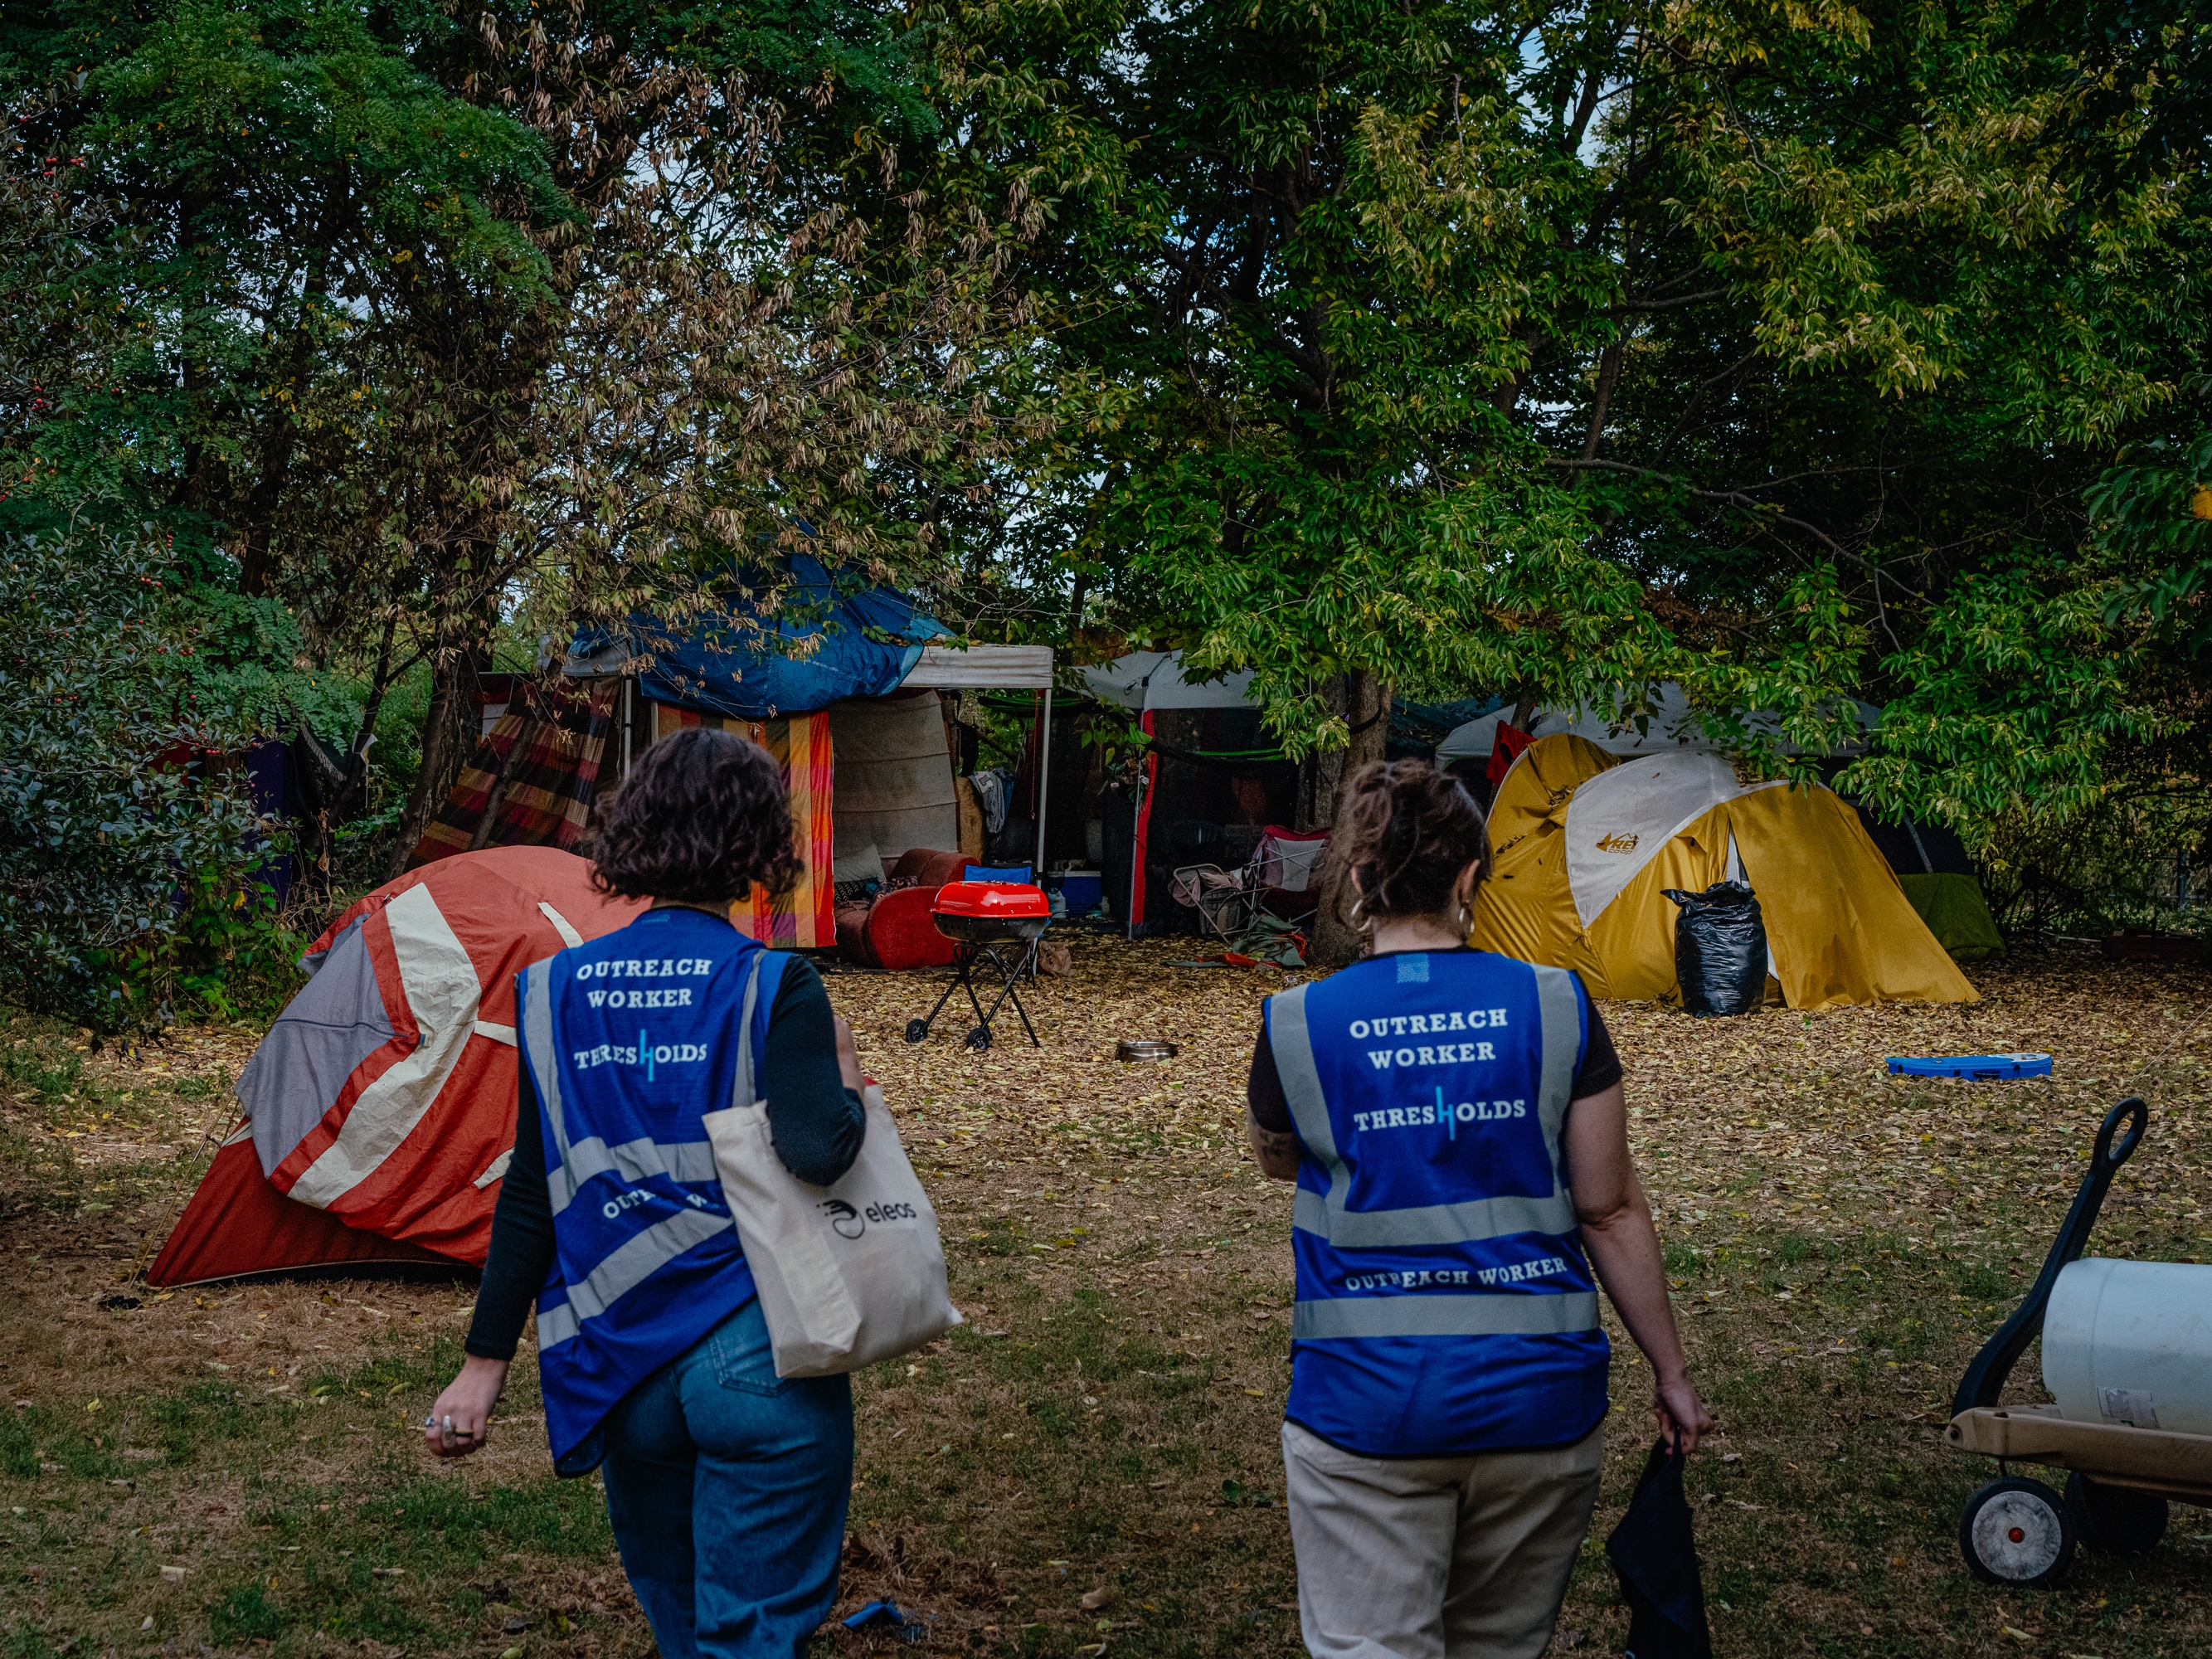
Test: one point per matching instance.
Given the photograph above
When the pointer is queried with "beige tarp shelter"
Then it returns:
(1585, 844)
(895, 784)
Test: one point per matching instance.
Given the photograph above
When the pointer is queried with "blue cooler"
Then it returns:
(1081, 889)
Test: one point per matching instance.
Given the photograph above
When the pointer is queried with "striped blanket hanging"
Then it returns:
(536, 772)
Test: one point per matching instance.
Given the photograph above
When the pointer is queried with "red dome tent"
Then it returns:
(379, 1109)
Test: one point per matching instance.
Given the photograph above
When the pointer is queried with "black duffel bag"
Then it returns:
(1720, 949)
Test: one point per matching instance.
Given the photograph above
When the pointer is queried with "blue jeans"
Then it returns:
(727, 1488)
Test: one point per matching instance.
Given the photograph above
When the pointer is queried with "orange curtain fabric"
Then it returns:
(804, 919)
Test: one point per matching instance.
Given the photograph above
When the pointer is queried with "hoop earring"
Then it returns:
(1360, 924)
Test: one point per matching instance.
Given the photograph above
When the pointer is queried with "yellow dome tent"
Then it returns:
(1584, 845)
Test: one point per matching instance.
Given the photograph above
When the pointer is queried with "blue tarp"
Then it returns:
(858, 641)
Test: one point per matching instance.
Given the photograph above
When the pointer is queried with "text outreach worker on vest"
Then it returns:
(727, 1486)
(1455, 1124)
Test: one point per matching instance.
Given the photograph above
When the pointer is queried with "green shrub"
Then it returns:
(128, 839)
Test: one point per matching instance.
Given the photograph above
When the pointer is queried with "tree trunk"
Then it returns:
(256, 558)
(1319, 774)
(195, 486)
(1363, 700)
(450, 732)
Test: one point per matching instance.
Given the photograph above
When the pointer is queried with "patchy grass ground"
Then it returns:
(1091, 1463)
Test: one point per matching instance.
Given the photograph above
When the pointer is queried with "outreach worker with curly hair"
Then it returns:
(727, 1486)
(1455, 1123)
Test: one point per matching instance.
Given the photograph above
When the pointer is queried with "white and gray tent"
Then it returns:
(1668, 728)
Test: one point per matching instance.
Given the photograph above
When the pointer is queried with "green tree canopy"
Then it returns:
(1571, 349)
(408, 315)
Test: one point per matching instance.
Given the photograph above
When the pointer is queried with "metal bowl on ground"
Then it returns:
(1146, 1049)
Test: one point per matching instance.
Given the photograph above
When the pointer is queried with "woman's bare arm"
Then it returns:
(1624, 1251)
(1275, 1151)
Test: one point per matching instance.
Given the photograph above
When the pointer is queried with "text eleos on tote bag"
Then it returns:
(849, 1274)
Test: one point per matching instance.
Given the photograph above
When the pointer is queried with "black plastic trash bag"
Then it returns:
(1720, 949)
(1656, 1558)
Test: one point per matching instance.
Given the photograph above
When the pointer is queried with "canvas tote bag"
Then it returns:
(849, 1274)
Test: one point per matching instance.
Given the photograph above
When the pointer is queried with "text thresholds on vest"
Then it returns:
(624, 997)
(1407, 1056)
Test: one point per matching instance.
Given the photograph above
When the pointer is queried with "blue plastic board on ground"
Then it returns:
(1979, 1068)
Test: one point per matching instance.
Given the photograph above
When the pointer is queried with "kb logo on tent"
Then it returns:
(844, 1220)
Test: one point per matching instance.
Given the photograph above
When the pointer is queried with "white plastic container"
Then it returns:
(2131, 1342)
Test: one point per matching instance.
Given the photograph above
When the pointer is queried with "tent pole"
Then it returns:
(627, 684)
(1044, 777)
(1136, 854)
(1926, 863)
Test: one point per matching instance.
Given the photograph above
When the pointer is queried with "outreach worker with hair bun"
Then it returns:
(727, 1486)
(1455, 1123)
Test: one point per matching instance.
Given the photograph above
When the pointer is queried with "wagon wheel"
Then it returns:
(2113, 1521)
(2017, 1532)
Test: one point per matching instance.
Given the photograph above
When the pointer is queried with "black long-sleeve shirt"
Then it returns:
(815, 1121)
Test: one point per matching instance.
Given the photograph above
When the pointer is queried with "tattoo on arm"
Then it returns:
(1276, 1152)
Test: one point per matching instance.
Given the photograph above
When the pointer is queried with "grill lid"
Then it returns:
(995, 900)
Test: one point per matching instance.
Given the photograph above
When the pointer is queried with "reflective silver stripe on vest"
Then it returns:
(1505, 1315)
(640, 1257)
(1438, 1224)
(742, 1092)
(624, 1270)
(537, 1043)
(633, 1160)
(1559, 1026)
(555, 1325)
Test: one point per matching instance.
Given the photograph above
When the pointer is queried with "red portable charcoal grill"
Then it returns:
(984, 918)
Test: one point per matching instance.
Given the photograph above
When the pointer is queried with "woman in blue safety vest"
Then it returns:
(727, 1486)
(1455, 1124)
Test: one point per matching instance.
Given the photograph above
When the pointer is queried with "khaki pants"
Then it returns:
(1445, 1558)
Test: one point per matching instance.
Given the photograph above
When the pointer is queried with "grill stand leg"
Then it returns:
(968, 977)
(1009, 972)
(919, 1029)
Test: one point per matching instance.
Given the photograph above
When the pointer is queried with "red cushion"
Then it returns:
(853, 934)
(925, 868)
(899, 931)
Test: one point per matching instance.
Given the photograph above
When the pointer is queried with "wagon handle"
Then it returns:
(1985, 1377)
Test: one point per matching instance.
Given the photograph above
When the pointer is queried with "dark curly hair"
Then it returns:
(1406, 830)
(702, 819)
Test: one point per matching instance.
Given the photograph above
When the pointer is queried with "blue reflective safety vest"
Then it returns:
(1444, 1305)
(630, 1040)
